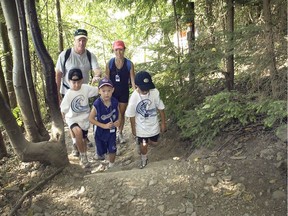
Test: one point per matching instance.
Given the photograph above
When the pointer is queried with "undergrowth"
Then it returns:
(204, 123)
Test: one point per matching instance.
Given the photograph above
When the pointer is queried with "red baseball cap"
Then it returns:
(118, 44)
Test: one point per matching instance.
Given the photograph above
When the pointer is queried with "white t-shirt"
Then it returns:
(75, 105)
(75, 60)
(145, 110)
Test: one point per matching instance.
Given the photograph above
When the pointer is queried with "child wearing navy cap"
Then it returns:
(105, 115)
(143, 108)
(75, 108)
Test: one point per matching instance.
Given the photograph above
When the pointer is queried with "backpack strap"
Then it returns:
(67, 54)
(89, 59)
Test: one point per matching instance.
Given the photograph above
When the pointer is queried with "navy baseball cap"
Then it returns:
(144, 81)
(105, 82)
(80, 33)
(75, 72)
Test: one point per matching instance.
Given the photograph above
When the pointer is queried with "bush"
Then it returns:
(219, 111)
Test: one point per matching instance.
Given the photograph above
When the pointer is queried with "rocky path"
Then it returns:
(246, 178)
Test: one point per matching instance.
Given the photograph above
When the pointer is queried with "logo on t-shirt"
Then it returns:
(78, 104)
(144, 108)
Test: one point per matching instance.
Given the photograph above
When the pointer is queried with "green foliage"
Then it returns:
(226, 109)
(17, 114)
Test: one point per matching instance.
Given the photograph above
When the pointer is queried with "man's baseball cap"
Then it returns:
(144, 81)
(79, 33)
(118, 44)
(75, 72)
(105, 82)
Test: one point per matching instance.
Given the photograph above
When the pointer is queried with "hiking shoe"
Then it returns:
(121, 138)
(143, 163)
(99, 157)
(75, 151)
(118, 152)
(84, 163)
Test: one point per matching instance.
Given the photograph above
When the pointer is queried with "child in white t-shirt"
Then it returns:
(75, 107)
(143, 108)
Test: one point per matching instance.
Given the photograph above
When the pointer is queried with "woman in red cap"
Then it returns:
(120, 71)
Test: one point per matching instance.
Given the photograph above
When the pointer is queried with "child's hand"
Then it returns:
(117, 123)
(109, 125)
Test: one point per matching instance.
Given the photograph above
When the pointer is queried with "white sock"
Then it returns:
(110, 165)
(74, 140)
(143, 157)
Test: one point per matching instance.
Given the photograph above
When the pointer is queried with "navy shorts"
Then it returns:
(106, 146)
(153, 139)
(122, 97)
(84, 132)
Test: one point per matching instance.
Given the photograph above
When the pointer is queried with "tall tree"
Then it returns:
(49, 71)
(27, 71)
(8, 61)
(229, 75)
(53, 152)
(270, 54)
(22, 95)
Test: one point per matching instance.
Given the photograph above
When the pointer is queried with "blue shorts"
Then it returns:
(106, 146)
(84, 132)
(153, 139)
(122, 97)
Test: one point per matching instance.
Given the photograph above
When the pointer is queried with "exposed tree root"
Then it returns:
(32, 190)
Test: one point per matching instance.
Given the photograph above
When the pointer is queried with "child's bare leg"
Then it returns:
(112, 157)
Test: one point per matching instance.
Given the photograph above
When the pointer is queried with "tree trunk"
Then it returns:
(3, 87)
(27, 70)
(60, 27)
(270, 55)
(50, 153)
(3, 151)
(8, 63)
(49, 71)
(10, 14)
(229, 75)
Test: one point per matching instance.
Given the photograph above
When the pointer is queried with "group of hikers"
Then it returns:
(108, 112)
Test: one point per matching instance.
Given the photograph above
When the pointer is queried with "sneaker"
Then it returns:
(143, 163)
(121, 138)
(75, 151)
(98, 157)
(118, 152)
(84, 163)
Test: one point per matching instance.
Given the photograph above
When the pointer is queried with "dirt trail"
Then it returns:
(246, 178)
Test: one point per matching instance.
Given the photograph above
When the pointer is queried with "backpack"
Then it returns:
(67, 54)
(112, 60)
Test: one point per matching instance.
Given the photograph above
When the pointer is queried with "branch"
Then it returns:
(32, 190)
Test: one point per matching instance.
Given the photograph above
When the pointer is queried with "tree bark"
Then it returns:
(27, 71)
(49, 71)
(3, 150)
(50, 153)
(60, 27)
(229, 75)
(3, 87)
(270, 54)
(8, 63)
(10, 14)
